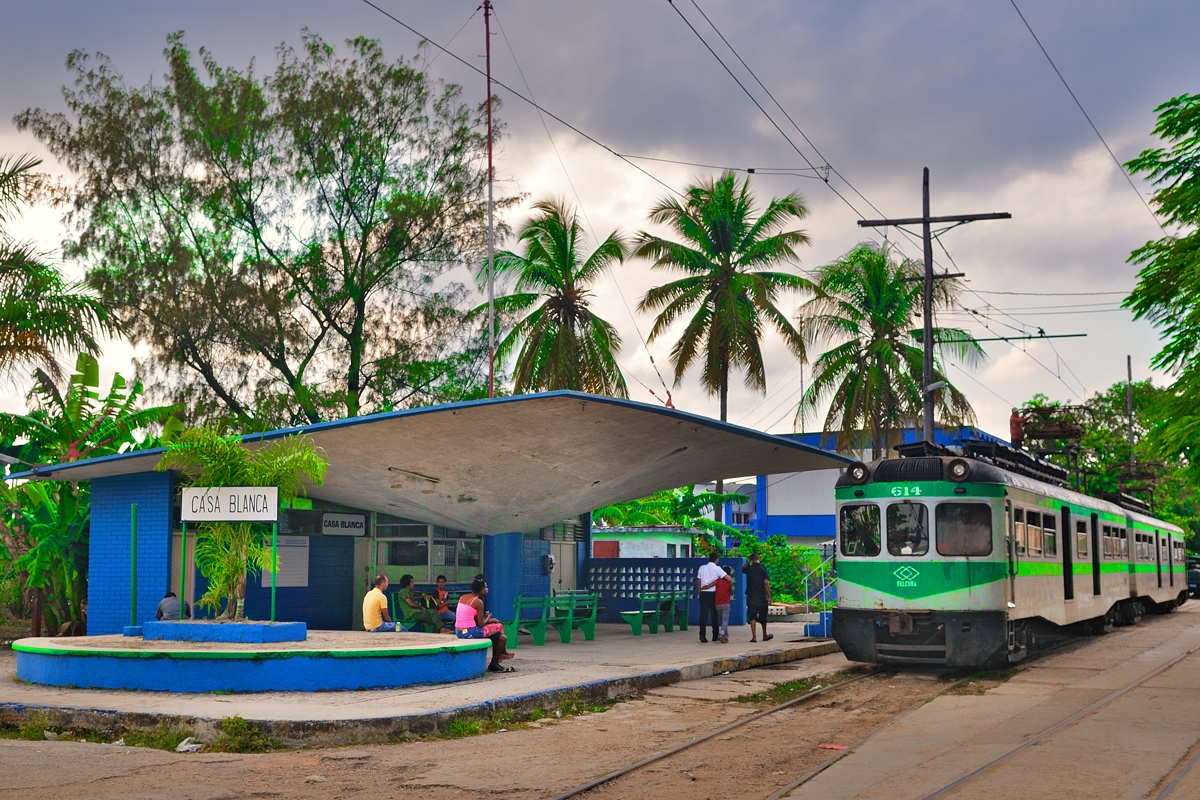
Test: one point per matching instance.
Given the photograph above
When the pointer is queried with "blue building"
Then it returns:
(503, 487)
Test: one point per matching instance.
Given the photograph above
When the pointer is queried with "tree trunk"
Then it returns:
(719, 508)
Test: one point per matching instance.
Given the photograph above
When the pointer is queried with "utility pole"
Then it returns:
(928, 387)
(1129, 412)
(487, 35)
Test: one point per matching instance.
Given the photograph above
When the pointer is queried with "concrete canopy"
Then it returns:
(514, 464)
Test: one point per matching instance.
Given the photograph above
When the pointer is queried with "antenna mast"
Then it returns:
(487, 33)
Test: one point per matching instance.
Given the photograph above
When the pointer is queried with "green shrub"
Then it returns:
(458, 727)
(161, 738)
(240, 736)
(571, 705)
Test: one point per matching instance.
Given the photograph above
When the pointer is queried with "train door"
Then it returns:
(1068, 562)
(1011, 547)
(1096, 554)
(1158, 548)
(1170, 559)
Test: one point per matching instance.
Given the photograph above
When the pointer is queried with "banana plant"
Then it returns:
(44, 524)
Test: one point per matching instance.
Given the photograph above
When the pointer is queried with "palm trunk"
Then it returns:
(719, 508)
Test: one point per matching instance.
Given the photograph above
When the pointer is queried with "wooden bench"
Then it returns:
(673, 610)
(646, 615)
(568, 612)
(536, 625)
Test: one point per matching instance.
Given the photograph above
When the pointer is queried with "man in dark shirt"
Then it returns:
(758, 596)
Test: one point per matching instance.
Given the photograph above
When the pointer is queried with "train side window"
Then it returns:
(1081, 537)
(860, 530)
(1049, 535)
(1019, 528)
(964, 529)
(907, 529)
(1124, 539)
(1108, 542)
(1033, 532)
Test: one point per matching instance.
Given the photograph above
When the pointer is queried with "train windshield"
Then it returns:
(860, 530)
(964, 529)
(907, 529)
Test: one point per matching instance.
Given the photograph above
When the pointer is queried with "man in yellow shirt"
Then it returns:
(376, 618)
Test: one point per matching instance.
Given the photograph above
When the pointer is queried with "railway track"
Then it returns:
(817, 770)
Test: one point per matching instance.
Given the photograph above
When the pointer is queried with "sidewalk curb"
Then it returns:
(319, 733)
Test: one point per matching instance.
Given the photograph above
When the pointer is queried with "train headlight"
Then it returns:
(858, 473)
(959, 470)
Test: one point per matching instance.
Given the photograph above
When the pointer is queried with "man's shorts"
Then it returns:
(756, 611)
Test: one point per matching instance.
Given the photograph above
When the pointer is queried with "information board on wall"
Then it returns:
(293, 563)
(344, 525)
(230, 504)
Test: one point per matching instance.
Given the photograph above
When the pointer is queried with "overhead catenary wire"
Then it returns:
(520, 96)
(668, 401)
(1100, 136)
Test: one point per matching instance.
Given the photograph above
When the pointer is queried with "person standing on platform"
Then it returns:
(758, 597)
(724, 587)
(376, 618)
(706, 584)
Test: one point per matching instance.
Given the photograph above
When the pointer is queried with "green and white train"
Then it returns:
(950, 560)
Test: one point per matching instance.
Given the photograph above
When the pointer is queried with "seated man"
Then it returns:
(168, 608)
(442, 597)
(376, 618)
(409, 603)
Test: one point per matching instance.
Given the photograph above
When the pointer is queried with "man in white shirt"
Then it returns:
(706, 585)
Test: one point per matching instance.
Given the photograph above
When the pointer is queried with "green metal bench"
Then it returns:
(670, 609)
(647, 614)
(568, 612)
(535, 625)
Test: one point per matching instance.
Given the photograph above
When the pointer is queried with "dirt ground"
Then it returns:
(542, 760)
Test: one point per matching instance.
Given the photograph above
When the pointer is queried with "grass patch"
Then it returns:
(793, 689)
(458, 727)
(981, 682)
(240, 736)
(570, 705)
(161, 738)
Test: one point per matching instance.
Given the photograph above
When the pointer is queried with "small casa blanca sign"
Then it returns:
(230, 504)
(344, 525)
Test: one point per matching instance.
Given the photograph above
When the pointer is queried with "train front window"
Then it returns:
(964, 529)
(860, 530)
(907, 529)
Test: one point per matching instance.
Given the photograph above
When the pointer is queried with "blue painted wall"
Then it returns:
(502, 569)
(327, 603)
(108, 550)
(533, 582)
(816, 525)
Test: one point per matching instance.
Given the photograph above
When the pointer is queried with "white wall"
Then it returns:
(802, 492)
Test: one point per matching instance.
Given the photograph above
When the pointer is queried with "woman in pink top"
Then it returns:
(472, 622)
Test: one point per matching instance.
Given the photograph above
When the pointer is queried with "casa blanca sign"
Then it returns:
(230, 504)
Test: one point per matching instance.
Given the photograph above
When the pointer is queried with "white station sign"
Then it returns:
(344, 525)
(231, 504)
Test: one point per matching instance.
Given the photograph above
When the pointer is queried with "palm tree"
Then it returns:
(40, 312)
(866, 308)
(226, 552)
(562, 343)
(726, 290)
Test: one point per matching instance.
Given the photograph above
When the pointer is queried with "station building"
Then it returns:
(504, 487)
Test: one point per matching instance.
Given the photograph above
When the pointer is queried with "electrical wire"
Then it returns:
(1096, 130)
(520, 96)
(1051, 294)
(668, 402)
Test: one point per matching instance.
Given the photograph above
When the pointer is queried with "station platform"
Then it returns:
(615, 664)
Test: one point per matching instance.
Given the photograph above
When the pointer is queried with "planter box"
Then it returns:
(240, 632)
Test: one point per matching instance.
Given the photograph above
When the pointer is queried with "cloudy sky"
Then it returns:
(881, 89)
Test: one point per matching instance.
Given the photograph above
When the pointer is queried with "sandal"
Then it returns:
(499, 668)
(768, 637)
